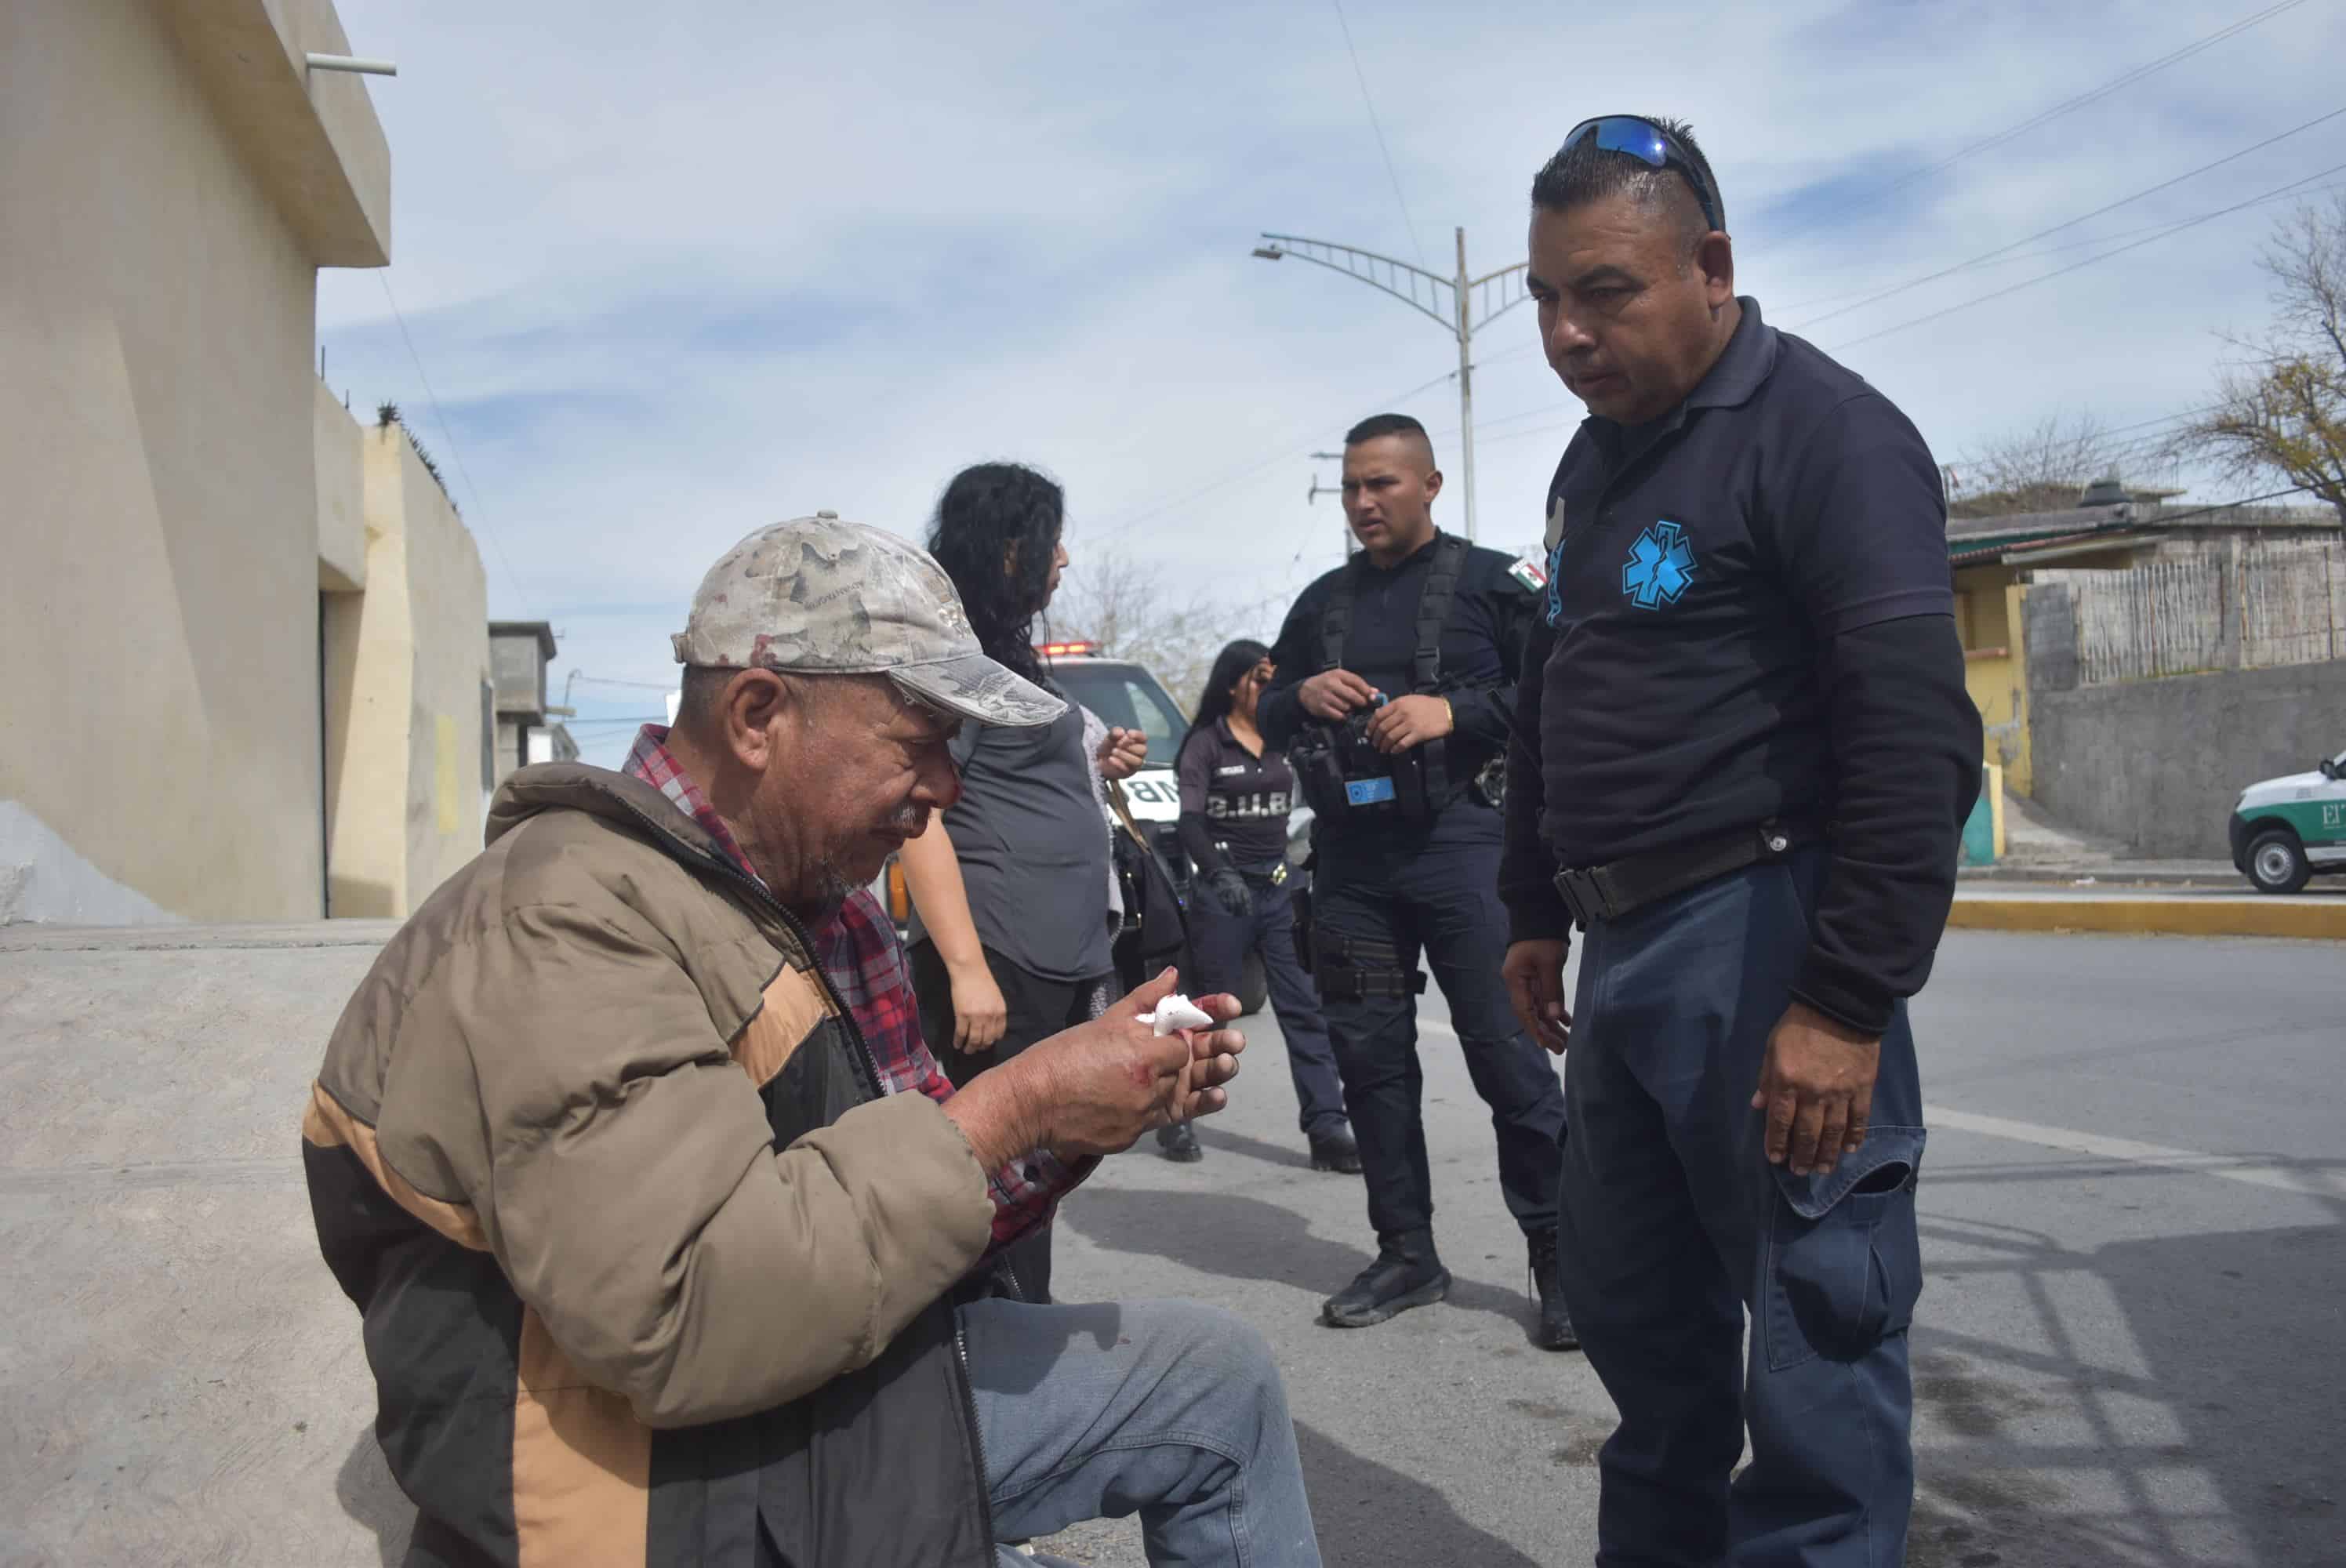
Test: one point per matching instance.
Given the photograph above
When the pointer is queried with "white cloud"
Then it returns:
(674, 273)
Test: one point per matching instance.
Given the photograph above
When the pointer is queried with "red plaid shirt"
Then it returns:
(860, 955)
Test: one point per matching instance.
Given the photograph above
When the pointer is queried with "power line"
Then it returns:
(2229, 506)
(2162, 419)
(1369, 104)
(497, 542)
(641, 685)
(2031, 255)
(2088, 261)
(2070, 223)
(2147, 444)
(1482, 425)
(2066, 106)
(2046, 116)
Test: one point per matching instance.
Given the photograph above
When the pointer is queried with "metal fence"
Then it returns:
(2250, 605)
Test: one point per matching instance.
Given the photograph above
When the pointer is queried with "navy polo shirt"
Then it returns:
(1698, 568)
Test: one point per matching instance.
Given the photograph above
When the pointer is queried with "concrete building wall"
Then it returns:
(406, 662)
(341, 472)
(2157, 764)
(520, 673)
(156, 327)
(184, 511)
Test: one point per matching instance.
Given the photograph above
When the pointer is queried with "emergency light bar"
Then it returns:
(1066, 650)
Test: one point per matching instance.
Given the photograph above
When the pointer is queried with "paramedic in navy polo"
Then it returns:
(1742, 756)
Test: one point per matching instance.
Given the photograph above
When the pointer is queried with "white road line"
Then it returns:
(2246, 1169)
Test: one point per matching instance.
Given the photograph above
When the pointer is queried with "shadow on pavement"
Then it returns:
(1297, 1157)
(2163, 1399)
(1248, 1239)
(1367, 1514)
(370, 1496)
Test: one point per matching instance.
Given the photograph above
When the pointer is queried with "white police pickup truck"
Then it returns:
(1126, 697)
(2287, 830)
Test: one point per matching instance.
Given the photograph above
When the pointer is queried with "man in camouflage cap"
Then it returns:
(670, 1237)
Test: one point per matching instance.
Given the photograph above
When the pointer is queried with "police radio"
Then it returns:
(1344, 777)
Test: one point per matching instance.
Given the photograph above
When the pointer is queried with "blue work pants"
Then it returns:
(1675, 1225)
(1169, 1410)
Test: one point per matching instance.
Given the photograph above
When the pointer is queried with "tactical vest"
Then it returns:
(1344, 777)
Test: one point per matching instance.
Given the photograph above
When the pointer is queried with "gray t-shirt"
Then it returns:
(1034, 851)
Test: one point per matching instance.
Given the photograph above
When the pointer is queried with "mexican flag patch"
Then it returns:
(1529, 573)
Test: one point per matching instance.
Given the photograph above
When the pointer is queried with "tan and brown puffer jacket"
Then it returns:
(646, 1263)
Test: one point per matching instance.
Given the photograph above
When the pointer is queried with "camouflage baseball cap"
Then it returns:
(819, 597)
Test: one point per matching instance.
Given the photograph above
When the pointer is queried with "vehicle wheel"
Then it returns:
(2277, 863)
(1254, 985)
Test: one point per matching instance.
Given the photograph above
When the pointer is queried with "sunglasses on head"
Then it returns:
(1649, 144)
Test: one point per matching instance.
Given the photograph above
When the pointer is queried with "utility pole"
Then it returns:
(1464, 305)
(1344, 552)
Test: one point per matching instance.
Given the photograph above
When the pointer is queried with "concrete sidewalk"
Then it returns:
(2055, 878)
(183, 1380)
(2111, 873)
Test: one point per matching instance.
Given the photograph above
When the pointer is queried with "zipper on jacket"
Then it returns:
(870, 1069)
(976, 1434)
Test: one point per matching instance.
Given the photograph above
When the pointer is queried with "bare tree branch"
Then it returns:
(2284, 415)
(2041, 468)
(1110, 598)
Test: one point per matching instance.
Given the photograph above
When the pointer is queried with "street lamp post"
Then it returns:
(1462, 305)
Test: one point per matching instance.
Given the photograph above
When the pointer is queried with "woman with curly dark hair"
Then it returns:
(1011, 887)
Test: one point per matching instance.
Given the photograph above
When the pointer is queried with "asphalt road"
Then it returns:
(2128, 1352)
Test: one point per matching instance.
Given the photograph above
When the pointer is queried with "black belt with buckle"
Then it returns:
(1613, 891)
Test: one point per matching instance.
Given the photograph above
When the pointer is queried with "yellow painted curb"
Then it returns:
(2154, 916)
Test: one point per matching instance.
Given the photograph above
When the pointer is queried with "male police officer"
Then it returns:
(1396, 675)
(1753, 753)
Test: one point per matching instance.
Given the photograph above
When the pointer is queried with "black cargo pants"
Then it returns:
(1384, 899)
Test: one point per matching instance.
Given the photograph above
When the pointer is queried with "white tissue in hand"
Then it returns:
(1176, 1011)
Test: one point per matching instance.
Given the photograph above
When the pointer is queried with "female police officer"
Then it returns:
(1236, 795)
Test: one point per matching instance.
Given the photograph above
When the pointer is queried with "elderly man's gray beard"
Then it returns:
(831, 884)
(831, 881)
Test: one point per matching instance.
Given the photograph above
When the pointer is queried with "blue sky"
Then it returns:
(673, 274)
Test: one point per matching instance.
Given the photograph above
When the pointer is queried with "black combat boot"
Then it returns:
(1555, 1331)
(1406, 1274)
(1178, 1143)
(1334, 1150)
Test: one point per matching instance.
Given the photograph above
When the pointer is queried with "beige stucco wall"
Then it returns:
(341, 474)
(169, 182)
(310, 138)
(156, 322)
(405, 663)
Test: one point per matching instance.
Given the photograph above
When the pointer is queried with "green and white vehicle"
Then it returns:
(2289, 829)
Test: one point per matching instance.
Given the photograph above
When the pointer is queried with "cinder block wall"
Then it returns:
(2157, 764)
